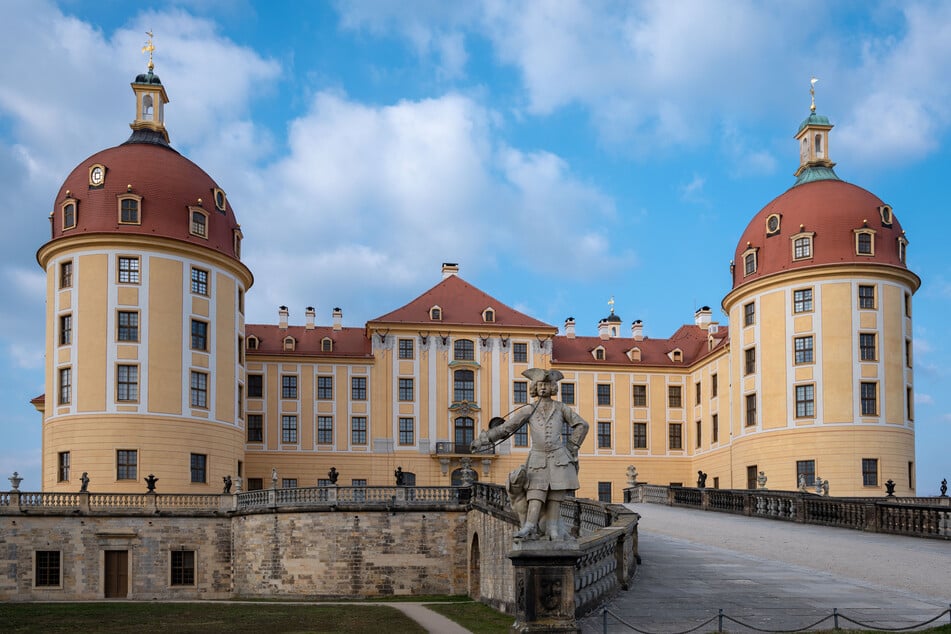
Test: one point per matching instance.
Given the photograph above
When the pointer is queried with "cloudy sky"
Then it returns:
(561, 152)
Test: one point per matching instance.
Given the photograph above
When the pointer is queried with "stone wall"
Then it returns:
(350, 554)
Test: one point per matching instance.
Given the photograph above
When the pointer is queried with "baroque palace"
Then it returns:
(151, 368)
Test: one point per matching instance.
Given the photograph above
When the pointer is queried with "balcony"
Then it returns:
(459, 449)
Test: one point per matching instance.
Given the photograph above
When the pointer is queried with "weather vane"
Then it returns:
(611, 304)
(812, 92)
(149, 47)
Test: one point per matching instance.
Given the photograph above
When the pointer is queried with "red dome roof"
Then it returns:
(831, 210)
(167, 182)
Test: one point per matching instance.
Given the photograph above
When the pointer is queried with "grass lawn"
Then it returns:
(188, 618)
(479, 618)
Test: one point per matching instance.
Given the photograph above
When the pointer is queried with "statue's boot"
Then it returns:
(528, 531)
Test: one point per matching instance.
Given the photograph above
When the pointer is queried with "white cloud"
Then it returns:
(923, 399)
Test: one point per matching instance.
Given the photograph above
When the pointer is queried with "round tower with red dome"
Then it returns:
(821, 335)
(145, 323)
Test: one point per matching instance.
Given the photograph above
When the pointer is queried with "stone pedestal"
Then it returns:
(544, 586)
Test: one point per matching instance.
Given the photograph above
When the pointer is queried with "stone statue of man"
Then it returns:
(552, 466)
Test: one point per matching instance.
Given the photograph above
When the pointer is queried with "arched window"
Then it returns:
(147, 107)
(456, 476)
(819, 145)
(289, 343)
(326, 344)
(464, 350)
(463, 385)
(464, 433)
(252, 342)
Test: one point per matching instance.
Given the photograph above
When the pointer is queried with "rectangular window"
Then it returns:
(520, 437)
(867, 348)
(714, 387)
(358, 430)
(289, 428)
(802, 248)
(129, 211)
(199, 464)
(604, 492)
(407, 391)
(127, 323)
(463, 387)
(750, 410)
(359, 489)
(199, 224)
(749, 364)
(325, 430)
(62, 473)
(803, 349)
(802, 300)
(126, 464)
(289, 483)
(69, 215)
(870, 472)
(240, 401)
(255, 428)
(65, 330)
(908, 351)
(199, 389)
(199, 335)
(47, 573)
(183, 568)
(640, 435)
(65, 386)
(715, 427)
(325, 388)
(749, 264)
(869, 399)
(255, 385)
(604, 394)
(127, 383)
(289, 386)
(696, 398)
(199, 281)
(128, 270)
(674, 396)
(66, 274)
(675, 436)
(407, 431)
(864, 246)
(907, 304)
(520, 391)
(699, 426)
(520, 352)
(910, 403)
(358, 388)
(567, 393)
(406, 349)
(749, 314)
(255, 484)
(806, 469)
(805, 401)
(639, 396)
(464, 350)
(866, 296)
(604, 435)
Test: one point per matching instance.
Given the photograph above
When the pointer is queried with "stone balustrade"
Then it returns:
(918, 517)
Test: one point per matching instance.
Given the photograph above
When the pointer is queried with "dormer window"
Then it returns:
(221, 201)
(902, 249)
(749, 261)
(326, 344)
(599, 353)
(773, 224)
(435, 313)
(676, 355)
(198, 223)
(802, 245)
(130, 209)
(97, 175)
(253, 342)
(634, 354)
(69, 213)
(865, 241)
(289, 344)
(488, 315)
(237, 243)
(886, 213)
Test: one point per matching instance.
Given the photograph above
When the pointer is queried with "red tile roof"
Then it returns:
(462, 305)
(690, 339)
(348, 342)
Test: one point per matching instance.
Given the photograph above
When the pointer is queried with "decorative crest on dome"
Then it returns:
(813, 136)
(812, 93)
(149, 46)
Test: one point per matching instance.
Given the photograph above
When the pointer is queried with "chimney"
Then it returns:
(311, 316)
(637, 330)
(604, 329)
(338, 318)
(449, 269)
(703, 317)
(570, 327)
(282, 315)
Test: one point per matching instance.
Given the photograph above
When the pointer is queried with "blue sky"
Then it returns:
(561, 152)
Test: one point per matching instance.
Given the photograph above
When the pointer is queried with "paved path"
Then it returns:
(775, 575)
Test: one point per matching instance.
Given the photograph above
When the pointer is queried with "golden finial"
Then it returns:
(611, 304)
(812, 92)
(149, 47)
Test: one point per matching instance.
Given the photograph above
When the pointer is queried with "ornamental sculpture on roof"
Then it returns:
(537, 488)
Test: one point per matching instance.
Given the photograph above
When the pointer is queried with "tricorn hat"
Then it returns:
(539, 374)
